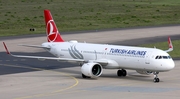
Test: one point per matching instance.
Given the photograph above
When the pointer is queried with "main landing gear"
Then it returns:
(121, 72)
(156, 79)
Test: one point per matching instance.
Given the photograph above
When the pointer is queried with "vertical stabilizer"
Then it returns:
(53, 34)
(170, 45)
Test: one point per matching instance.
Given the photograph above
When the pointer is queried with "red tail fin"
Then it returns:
(170, 43)
(52, 32)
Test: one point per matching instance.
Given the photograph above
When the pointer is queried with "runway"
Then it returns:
(33, 79)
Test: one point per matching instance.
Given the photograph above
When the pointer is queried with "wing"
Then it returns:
(103, 62)
(170, 45)
(42, 58)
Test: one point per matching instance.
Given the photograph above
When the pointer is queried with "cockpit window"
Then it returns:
(156, 57)
(163, 57)
(169, 57)
(160, 57)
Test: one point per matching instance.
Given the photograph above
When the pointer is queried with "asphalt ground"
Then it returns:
(34, 79)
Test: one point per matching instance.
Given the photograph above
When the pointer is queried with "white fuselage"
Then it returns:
(119, 57)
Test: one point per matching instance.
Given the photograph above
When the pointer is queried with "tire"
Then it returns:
(157, 80)
(124, 73)
(119, 73)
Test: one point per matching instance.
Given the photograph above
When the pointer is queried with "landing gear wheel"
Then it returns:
(124, 73)
(156, 79)
(121, 72)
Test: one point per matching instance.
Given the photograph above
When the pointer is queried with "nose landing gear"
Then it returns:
(156, 79)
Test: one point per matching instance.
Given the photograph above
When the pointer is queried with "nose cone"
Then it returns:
(170, 64)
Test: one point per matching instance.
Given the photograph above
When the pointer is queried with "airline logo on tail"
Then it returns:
(170, 43)
(52, 32)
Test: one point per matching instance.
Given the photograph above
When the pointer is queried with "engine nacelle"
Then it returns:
(92, 70)
(144, 72)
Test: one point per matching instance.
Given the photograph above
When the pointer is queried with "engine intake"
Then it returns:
(92, 70)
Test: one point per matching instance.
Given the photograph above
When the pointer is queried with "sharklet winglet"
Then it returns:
(7, 51)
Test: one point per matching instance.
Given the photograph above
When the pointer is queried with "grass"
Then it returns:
(18, 16)
(164, 46)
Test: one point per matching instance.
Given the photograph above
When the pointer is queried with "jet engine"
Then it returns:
(144, 72)
(92, 70)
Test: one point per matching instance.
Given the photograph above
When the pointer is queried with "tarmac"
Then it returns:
(33, 79)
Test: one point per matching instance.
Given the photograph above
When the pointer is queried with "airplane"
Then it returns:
(93, 58)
